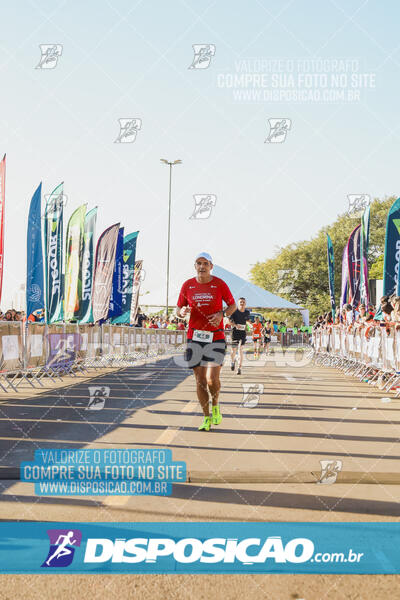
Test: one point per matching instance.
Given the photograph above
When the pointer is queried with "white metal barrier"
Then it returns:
(374, 357)
(31, 351)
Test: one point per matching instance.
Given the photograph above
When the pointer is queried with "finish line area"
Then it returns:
(295, 443)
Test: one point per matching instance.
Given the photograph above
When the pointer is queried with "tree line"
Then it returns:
(299, 271)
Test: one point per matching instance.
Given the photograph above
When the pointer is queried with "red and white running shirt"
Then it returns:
(205, 299)
(257, 327)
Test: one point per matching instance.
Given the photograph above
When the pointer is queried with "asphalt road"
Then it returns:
(262, 463)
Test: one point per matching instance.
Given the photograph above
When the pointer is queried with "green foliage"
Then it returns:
(306, 261)
(290, 317)
(376, 270)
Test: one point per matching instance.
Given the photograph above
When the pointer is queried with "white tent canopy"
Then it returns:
(256, 297)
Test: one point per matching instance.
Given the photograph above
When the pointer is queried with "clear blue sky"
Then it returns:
(130, 59)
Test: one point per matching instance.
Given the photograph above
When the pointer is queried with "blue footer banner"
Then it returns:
(199, 547)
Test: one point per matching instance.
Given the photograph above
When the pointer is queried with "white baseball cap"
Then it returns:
(206, 256)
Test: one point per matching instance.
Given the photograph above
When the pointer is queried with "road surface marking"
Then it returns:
(145, 375)
(190, 406)
(167, 436)
(116, 500)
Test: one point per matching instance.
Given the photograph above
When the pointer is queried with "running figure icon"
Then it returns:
(98, 397)
(62, 549)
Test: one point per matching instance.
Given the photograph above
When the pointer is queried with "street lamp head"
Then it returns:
(167, 162)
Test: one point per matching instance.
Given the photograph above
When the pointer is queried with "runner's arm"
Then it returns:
(229, 300)
(182, 306)
(230, 310)
(215, 318)
(182, 311)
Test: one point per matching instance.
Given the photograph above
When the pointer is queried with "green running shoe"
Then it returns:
(206, 424)
(216, 415)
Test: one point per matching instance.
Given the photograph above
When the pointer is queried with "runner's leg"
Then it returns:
(214, 383)
(64, 551)
(241, 344)
(55, 553)
(202, 390)
(240, 354)
(233, 355)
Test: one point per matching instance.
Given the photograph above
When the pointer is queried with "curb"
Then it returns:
(290, 477)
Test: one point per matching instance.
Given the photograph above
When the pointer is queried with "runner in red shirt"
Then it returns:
(257, 331)
(202, 297)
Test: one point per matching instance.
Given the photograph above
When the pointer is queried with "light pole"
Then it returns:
(171, 164)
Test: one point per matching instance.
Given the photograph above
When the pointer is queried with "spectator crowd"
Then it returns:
(363, 318)
(159, 322)
(12, 315)
(174, 323)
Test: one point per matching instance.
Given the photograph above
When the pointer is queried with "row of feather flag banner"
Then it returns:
(74, 281)
(355, 264)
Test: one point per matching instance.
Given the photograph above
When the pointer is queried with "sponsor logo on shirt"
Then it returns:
(204, 297)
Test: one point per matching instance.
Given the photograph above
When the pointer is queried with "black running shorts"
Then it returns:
(204, 354)
(238, 336)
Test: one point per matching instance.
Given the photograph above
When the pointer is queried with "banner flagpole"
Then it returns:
(34, 256)
(2, 208)
(331, 273)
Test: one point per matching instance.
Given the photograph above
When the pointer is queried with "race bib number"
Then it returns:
(256, 335)
(202, 336)
(240, 327)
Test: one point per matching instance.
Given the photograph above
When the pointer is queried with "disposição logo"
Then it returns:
(62, 547)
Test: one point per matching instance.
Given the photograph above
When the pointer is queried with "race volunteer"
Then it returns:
(239, 319)
(202, 297)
